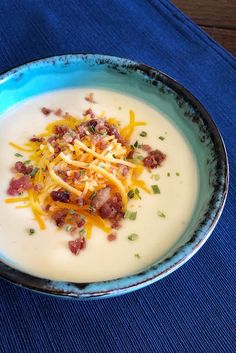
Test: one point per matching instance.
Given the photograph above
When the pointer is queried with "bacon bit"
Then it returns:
(131, 154)
(60, 130)
(38, 187)
(17, 186)
(112, 210)
(81, 132)
(47, 208)
(58, 112)
(46, 111)
(37, 139)
(76, 245)
(112, 237)
(146, 148)
(68, 137)
(52, 139)
(112, 130)
(89, 112)
(101, 198)
(80, 201)
(90, 98)
(62, 196)
(154, 159)
(20, 167)
(59, 217)
(80, 221)
(102, 145)
(123, 169)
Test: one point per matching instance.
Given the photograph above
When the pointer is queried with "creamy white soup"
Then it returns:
(161, 217)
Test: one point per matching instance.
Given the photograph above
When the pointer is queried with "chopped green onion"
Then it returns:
(130, 194)
(136, 145)
(130, 215)
(137, 256)
(82, 172)
(92, 128)
(82, 231)
(177, 174)
(18, 155)
(139, 158)
(133, 236)
(155, 189)
(155, 176)
(72, 212)
(104, 133)
(27, 162)
(162, 138)
(31, 231)
(91, 209)
(143, 134)
(137, 192)
(68, 228)
(161, 214)
(34, 172)
(94, 193)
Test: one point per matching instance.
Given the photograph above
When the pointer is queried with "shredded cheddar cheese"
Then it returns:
(71, 172)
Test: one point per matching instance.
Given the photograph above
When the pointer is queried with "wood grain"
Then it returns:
(216, 17)
(212, 13)
(226, 37)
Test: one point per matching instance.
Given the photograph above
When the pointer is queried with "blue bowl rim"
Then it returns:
(37, 284)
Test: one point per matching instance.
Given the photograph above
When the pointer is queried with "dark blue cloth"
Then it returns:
(193, 309)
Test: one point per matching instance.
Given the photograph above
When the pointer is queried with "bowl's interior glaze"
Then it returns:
(178, 105)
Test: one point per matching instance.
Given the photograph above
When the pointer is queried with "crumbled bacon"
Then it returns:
(131, 154)
(20, 167)
(80, 132)
(76, 245)
(58, 112)
(29, 169)
(38, 187)
(112, 237)
(62, 196)
(112, 210)
(36, 139)
(17, 186)
(101, 198)
(89, 112)
(146, 148)
(80, 221)
(90, 98)
(59, 217)
(123, 169)
(46, 111)
(112, 130)
(154, 159)
(68, 137)
(80, 201)
(102, 145)
(52, 139)
(60, 130)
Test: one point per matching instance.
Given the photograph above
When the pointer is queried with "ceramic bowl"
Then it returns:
(159, 90)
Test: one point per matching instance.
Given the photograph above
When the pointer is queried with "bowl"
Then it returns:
(157, 89)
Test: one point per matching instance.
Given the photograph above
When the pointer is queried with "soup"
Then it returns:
(157, 210)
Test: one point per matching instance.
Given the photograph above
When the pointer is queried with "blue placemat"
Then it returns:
(192, 310)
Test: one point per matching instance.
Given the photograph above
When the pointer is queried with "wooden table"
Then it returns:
(216, 17)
